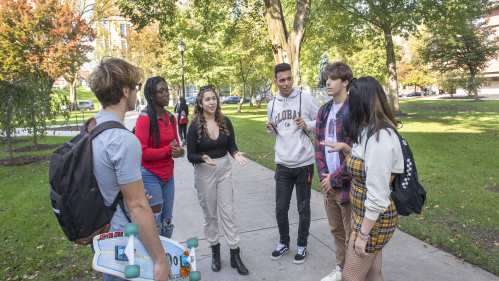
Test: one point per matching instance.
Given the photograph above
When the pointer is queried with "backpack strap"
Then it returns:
(346, 116)
(104, 126)
(171, 118)
(119, 201)
(299, 115)
(272, 115)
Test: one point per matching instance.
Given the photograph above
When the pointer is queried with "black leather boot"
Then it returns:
(235, 262)
(215, 258)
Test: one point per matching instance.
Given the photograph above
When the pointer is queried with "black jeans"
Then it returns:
(182, 131)
(286, 178)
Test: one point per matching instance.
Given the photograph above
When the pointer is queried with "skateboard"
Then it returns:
(122, 254)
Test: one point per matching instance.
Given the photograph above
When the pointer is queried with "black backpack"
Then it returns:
(408, 194)
(75, 195)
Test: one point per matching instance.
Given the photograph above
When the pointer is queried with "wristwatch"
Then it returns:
(363, 236)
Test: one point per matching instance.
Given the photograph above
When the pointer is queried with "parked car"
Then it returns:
(401, 94)
(415, 94)
(82, 105)
(190, 101)
(231, 100)
(246, 101)
(65, 107)
(85, 105)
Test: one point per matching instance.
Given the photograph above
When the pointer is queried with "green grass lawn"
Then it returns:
(456, 150)
(81, 94)
(457, 157)
(33, 244)
(77, 116)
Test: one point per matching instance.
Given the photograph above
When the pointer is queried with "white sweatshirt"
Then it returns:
(382, 158)
(293, 148)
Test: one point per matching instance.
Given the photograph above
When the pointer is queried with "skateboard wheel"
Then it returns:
(192, 242)
(132, 271)
(195, 276)
(131, 229)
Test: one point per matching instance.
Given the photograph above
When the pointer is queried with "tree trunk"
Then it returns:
(35, 139)
(72, 95)
(242, 98)
(475, 88)
(9, 138)
(392, 72)
(259, 102)
(251, 96)
(287, 48)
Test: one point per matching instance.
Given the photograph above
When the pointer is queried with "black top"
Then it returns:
(213, 148)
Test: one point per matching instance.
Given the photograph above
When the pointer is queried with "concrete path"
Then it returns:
(130, 119)
(404, 258)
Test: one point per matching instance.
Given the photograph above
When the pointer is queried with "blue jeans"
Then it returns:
(162, 192)
(109, 277)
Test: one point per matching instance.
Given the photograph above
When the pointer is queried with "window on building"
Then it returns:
(124, 44)
(495, 78)
(122, 30)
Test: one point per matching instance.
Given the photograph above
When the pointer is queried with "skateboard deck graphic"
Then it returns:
(109, 257)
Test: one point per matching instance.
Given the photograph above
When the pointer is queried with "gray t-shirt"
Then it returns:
(116, 156)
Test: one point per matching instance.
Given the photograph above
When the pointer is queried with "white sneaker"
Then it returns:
(333, 276)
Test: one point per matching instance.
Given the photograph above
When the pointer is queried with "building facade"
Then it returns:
(491, 73)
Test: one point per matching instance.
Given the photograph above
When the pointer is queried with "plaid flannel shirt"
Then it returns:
(340, 177)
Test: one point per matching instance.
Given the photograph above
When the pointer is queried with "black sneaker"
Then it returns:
(279, 251)
(301, 255)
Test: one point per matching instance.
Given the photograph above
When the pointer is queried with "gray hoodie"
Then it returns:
(293, 147)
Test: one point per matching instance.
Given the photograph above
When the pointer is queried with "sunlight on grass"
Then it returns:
(457, 157)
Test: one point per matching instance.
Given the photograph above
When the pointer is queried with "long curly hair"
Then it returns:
(150, 95)
(198, 115)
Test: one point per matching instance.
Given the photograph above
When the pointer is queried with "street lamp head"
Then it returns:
(181, 46)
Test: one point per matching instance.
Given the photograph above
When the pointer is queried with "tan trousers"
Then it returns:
(339, 223)
(216, 197)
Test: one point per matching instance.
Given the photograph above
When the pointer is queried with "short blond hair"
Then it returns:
(110, 77)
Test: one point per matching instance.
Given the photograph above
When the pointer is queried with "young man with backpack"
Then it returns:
(331, 166)
(117, 155)
(291, 118)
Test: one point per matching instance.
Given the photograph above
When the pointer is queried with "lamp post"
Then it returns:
(181, 48)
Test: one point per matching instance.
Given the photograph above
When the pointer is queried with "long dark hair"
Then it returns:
(198, 115)
(150, 95)
(369, 109)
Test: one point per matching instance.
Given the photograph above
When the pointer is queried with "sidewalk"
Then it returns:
(404, 258)
(130, 119)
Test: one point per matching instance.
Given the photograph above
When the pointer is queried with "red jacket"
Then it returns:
(159, 160)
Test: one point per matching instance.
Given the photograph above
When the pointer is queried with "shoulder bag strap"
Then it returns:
(272, 115)
(299, 115)
(104, 126)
